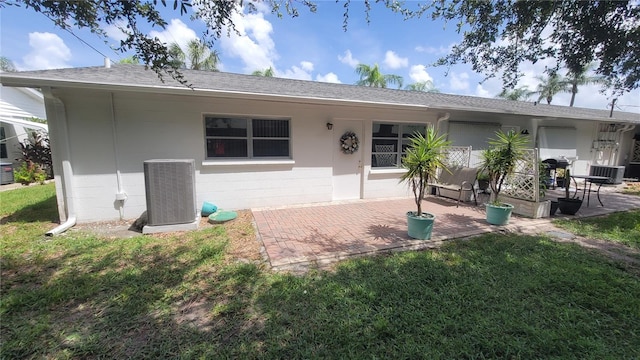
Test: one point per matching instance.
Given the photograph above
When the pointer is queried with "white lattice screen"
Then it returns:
(459, 156)
(524, 183)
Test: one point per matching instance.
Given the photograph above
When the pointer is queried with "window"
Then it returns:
(228, 137)
(3, 144)
(390, 141)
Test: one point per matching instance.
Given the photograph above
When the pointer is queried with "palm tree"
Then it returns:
(425, 86)
(520, 94)
(550, 86)
(371, 76)
(266, 72)
(129, 60)
(197, 57)
(581, 78)
(6, 65)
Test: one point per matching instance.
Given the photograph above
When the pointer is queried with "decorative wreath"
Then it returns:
(349, 142)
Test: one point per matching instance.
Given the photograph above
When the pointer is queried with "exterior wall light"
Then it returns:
(329, 126)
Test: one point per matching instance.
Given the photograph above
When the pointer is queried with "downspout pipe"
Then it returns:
(58, 115)
(441, 118)
(71, 214)
(622, 130)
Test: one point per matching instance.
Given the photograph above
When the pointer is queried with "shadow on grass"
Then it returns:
(45, 210)
(491, 297)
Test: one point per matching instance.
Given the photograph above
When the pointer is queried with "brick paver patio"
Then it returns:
(323, 233)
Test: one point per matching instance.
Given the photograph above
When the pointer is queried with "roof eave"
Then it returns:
(183, 90)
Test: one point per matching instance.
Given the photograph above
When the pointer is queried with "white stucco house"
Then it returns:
(18, 107)
(260, 141)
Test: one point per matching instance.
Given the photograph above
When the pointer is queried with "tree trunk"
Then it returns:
(574, 91)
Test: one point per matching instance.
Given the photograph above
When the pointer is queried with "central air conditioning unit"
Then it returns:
(614, 173)
(170, 190)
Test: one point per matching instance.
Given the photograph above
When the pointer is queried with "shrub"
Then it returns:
(28, 173)
(36, 151)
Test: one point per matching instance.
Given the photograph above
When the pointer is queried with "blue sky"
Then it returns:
(310, 47)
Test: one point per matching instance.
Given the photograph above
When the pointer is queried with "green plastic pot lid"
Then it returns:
(222, 216)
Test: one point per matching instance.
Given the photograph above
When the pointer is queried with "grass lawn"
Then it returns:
(632, 188)
(185, 295)
(623, 228)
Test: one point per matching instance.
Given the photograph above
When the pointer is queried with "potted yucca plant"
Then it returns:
(422, 159)
(499, 162)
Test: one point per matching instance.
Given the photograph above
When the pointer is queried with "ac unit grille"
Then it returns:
(170, 190)
(614, 173)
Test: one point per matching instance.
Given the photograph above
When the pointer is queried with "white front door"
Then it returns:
(347, 168)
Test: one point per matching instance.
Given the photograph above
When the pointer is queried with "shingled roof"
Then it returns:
(136, 77)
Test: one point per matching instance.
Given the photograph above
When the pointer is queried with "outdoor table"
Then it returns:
(589, 179)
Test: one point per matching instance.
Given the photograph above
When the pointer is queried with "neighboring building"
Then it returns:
(262, 141)
(18, 108)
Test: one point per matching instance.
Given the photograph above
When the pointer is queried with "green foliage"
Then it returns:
(582, 77)
(6, 64)
(129, 60)
(424, 156)
(499, 160)
(500, 36)
(197, 57)
(373, 77)
(520, 94)
(543, 179)
(36, 151)
(424, 86)
(550, 86)
(29, 173)
(269, 72)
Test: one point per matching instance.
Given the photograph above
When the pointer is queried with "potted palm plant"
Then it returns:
(422, 159)
(499, 162)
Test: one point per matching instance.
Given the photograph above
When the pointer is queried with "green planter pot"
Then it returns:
(499, 214)
(420, 227)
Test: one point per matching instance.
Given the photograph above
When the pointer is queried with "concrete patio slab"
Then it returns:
(320, 234)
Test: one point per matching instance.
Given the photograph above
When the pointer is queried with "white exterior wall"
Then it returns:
(585, 133)
(156, 126)
(22, 104)
(108, 138)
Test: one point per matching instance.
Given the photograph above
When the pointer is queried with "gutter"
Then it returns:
(58, 117)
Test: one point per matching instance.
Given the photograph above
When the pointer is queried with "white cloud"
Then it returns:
(48, 51)
(482, 92)
(177, 32)
(459, 81)
(306, 65)
(434, 50)
(348, 59)
(114, 31)
(301, 72)
(418, 73)
(329, 77)
(254, 45)
(393, 61)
